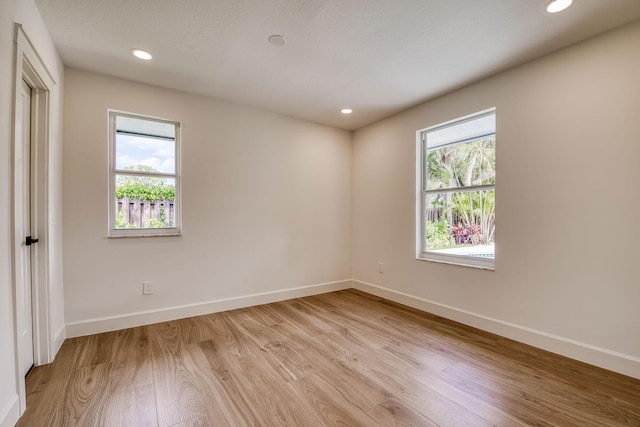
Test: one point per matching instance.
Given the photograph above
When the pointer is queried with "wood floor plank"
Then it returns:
(273, 402)
(394, 413)
(418, 363)
(213, 369)
(355, 386)
(504, 379)
(328, 404)
(299, 318)
(342, 358)
(131, 407)
(131, 363)
(569, 371)
(412, 388)
(607, 409)
(316, 303)
(45, 385)
(422, 359)
(525, 406)
(344, 327)
(177, 393)
(195, 329)
(166, 338)
(454, 332)
(198, 421)
(84, 397)
(307, 314)
(97, 349)
(228, 336)
(425, 400)
(284, 356)
(267, 315)
(352, 329)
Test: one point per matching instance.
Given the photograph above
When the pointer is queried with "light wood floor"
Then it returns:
(344, 358)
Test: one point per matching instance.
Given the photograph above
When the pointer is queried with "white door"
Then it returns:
(23, 217)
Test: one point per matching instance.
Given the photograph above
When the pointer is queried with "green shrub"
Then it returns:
(132, 187)
(143, 187)
(155, 223)
(438, 234)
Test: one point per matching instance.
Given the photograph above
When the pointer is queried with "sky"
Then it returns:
(135, 150)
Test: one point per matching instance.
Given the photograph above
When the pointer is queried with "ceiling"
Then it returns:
(378, 57)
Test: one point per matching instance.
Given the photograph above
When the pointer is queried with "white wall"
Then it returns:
(568, 176)
(25, 13)
(266, 208)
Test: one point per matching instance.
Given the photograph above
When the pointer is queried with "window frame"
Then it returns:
(112, 231)
(422, 252)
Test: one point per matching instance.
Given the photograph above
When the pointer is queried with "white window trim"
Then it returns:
(114, 232)
(422, 253)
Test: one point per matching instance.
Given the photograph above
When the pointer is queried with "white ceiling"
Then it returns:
(377, 56)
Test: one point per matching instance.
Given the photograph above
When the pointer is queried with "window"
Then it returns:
(456, 191)
(144, 182)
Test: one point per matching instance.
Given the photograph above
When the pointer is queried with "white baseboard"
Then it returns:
(129, 320)
(10, 413)
(607, 359)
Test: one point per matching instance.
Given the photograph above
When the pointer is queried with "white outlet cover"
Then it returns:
(147, 288)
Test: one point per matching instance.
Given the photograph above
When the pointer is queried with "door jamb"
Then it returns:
(29, 66)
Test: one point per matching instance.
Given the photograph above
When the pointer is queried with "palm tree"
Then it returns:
(463, 165)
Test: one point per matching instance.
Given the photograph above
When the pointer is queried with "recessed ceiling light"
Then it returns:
(558, 5)
(277, 40)
(142, 54)
(346, 111)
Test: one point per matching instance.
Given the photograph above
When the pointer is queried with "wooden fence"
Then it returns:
(138, 212)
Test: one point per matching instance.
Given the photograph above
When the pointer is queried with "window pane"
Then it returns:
(145, 202)
(145, 154)
(462, 165)
(461, 223)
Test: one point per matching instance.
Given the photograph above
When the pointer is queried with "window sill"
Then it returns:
(471, 262)
(143, 234)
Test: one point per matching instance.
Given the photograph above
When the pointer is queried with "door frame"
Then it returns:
(30, 67)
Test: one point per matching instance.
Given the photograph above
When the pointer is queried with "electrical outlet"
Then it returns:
(147, 288)
(380, 269)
